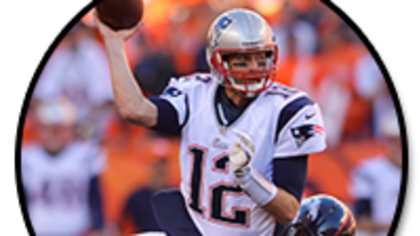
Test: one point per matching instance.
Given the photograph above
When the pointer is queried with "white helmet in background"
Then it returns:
(57, 111)
(56, 123)
(237, 31)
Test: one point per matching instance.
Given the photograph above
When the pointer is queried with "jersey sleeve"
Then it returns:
(300, 130)
(360, 187)
(97, 160)
(175, 94)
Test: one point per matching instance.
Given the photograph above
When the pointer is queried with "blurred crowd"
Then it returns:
(319, 54)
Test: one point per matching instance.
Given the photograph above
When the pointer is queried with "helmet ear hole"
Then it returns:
(269, 54)
(225, 57)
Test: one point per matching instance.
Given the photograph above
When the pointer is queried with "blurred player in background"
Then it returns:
(245, 141)
(376, 182)
(322, 215)
(78, 69)
(60, 174)
(138, 208)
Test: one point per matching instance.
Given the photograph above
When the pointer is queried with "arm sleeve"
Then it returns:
(95, 204)
(300, 129)
(173, 108)
(176, 95)
(290, 174)
(167, 117)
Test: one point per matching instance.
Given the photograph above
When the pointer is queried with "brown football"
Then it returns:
(120, 14)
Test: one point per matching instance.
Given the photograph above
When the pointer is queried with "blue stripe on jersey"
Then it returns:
(289, 111)
(167, 122)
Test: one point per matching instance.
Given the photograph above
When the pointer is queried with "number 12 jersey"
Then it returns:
(282, 122)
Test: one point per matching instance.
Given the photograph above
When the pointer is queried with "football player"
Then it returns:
(376, 181)
(244, 139)
(60, 174)
(322, 215)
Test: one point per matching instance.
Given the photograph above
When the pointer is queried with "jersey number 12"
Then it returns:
(217, 191)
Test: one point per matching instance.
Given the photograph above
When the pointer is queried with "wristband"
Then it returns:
(256, 186)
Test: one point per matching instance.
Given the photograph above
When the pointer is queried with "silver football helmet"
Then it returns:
(237, 31)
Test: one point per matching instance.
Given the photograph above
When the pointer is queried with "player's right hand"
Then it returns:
(241, 153)
(108, 33)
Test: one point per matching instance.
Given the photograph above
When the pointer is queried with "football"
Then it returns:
(120, 14)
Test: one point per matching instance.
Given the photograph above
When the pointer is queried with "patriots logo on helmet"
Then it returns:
(221, 24)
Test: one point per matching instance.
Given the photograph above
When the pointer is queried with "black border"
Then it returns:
(383, 27)
(30, 36)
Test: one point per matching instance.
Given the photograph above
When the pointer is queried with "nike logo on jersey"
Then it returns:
(309, 116)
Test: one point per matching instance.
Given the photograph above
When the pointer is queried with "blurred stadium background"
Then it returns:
(319, 54)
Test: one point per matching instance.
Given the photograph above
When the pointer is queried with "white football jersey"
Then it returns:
(379, 180)
(214, 200)
(57, 187)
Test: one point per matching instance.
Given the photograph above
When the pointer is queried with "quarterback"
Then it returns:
(245, 140)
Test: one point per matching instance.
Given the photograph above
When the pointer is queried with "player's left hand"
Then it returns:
(241, 153)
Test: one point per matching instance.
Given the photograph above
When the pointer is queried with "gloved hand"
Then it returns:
(241, 153)
(249, 179)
